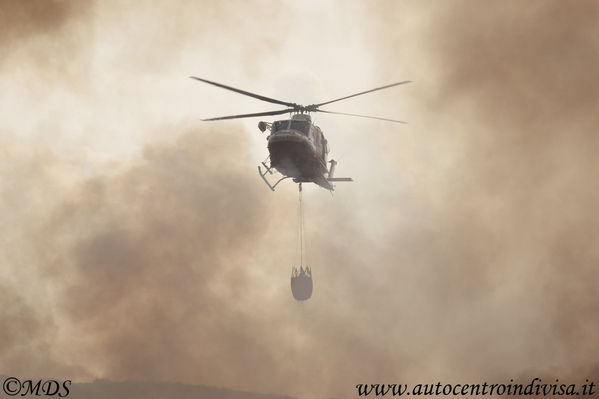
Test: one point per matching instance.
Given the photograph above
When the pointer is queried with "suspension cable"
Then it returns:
(301, 226)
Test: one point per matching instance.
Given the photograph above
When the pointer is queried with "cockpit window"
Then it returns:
(279, 125)
(300, 126)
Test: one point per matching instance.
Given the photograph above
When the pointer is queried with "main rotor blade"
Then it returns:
(361, 116)
(246, 93)
(362, 92)
(268, 113)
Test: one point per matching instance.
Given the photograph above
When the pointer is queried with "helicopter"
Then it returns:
(297, 148)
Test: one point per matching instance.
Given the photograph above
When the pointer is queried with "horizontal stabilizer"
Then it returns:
(340, 179)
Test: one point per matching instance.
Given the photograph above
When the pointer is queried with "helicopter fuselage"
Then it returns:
(298, 149)
(294, 155)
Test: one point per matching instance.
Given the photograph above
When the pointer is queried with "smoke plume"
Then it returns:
(139, 244)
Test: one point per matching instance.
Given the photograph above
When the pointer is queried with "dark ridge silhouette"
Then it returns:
(159, 390)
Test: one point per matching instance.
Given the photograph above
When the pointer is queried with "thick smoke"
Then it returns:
(508, 112)
(178, 269)
(22, 19)
(463, 251)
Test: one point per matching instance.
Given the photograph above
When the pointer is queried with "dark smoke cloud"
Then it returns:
(29, 334)
(159, 276)
(528, 78)
(47, 50)
(22, 19)
(154, 241)
(512, 90)
(23, 329)
(472, 257)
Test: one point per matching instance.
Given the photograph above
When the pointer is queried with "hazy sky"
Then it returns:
(139, 242)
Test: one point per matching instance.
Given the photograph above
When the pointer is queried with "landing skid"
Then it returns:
(269, 171)
(322, 181)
